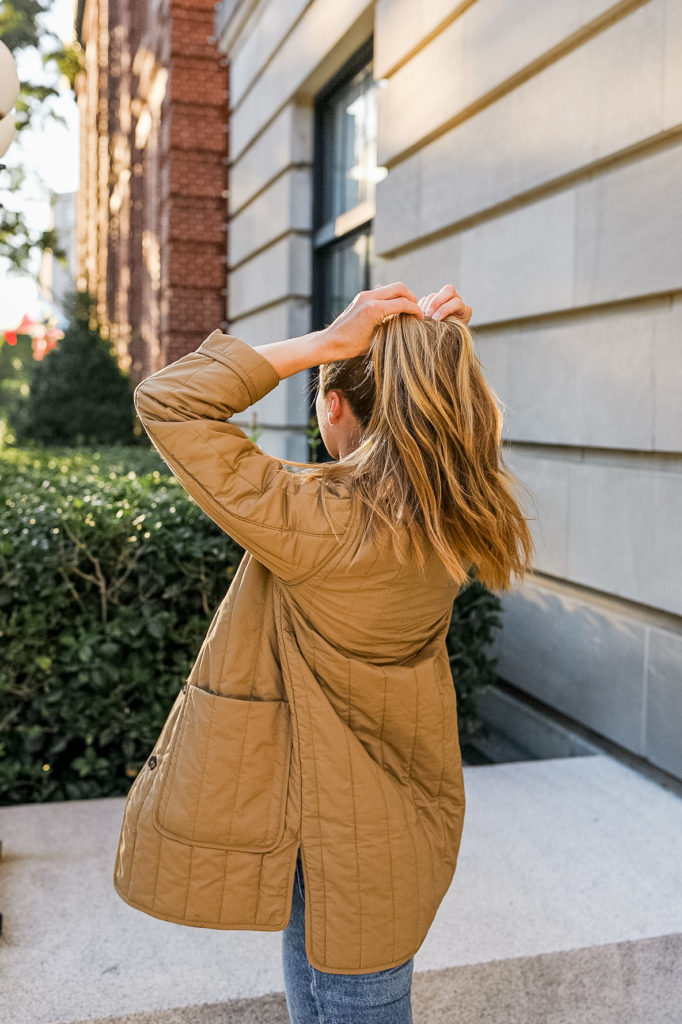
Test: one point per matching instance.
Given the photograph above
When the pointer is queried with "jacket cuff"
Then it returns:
(256, 372)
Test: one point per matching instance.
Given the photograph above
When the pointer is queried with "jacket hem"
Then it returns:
(251, 927)
(326, 969)
(247, 926)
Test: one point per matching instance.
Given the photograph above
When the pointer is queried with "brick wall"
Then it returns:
(154, 108)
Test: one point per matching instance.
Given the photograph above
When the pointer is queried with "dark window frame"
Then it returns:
(323, 239)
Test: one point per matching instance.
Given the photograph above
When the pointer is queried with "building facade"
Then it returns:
(530, 155)
(55, 279)
(153, 101)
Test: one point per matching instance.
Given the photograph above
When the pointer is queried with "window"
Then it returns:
(345, 175)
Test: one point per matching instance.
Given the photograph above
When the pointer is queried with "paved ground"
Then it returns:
(566, 908)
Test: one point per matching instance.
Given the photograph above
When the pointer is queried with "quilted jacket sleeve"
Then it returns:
(185, 409)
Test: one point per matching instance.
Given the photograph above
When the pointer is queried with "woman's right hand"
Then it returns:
(446, 302)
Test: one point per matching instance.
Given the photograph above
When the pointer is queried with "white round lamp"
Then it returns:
(9, 90)
(6, 131)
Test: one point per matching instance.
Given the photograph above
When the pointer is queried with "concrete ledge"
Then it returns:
(564, 908)
(633, 982)
(527, 730)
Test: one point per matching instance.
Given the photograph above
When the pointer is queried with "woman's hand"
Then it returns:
(351, 333)
(446, 302)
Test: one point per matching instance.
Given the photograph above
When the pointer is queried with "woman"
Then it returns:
(350, 411)
(308, 778)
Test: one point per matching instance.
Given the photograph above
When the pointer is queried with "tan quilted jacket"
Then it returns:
(320, 711)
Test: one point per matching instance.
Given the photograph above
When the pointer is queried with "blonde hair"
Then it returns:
(429, 465)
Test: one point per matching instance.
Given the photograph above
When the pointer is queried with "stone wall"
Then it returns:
(534, 152)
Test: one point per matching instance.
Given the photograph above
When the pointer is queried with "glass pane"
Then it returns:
(350, 167)
(343, 269)
(343, 273)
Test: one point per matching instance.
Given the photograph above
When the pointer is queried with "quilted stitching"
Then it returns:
(371, 786)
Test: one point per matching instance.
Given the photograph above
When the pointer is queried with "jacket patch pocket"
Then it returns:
(226, 772)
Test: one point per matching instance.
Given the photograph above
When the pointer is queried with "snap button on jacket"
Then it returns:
(320, 712)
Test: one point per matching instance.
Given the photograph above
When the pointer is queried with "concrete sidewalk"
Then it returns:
(566, 908)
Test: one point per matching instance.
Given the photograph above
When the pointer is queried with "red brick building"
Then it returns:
(151, 225)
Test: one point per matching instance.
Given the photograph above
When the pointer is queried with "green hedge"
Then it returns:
(109, 577)
(77, 393)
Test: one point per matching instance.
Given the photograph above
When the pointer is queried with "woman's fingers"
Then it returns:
(390, 307)
(395, 298)
(446, 302)
(398, 298)
(430, 303)
(351, 332)
(455, 307)
(446, 293)
(395, 290)
(424, 302)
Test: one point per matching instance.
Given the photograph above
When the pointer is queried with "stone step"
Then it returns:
(565, 909)
(619, 983)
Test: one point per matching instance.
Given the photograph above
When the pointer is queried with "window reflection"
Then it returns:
(351, 172)
(345, 177)
(343, 273)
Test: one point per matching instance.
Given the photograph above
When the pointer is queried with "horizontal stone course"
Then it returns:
(287, 140)
(272, 275)
(603, 379)
(488, 43)
(577, 247)
(284, 206)
(581, 109)
(610, 669)
(259, 41)
(610, 527)
(304, 61)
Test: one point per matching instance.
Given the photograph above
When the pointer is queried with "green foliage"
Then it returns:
(17, 241)
(70, 60)
(475, 617)
(22, 28)
(109, 577)
(20, 23)
(314, 439)
(32, 99)
(78, 393)
(15, 366)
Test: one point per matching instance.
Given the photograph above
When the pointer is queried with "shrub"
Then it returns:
(15, 364)
(78, 395)
(110, 576)
(476, 614)
(109, 579)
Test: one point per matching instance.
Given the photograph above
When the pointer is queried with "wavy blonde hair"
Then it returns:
(430, 456)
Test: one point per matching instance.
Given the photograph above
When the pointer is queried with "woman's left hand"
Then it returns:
(444, 303)
(351, 333)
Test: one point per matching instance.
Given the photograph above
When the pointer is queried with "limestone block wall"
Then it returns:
(535, 160)
(280, 55)
(534, 156)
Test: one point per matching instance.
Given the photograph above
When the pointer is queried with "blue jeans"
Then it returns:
(317, 997)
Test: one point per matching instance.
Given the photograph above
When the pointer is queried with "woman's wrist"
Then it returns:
(295, 354)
